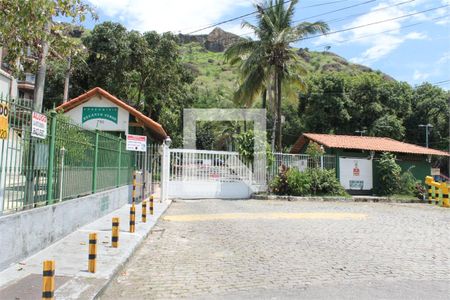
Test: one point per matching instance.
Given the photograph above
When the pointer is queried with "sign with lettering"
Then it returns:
(136, 143)
(356, 173)
(105, 113)
(356, 184)
(39, 125)
(4, 114)
(356, 169)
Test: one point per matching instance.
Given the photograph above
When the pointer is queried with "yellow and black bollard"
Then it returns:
(445, 195)
(115, 233)
(430, 194)
(92, 265)
(132, 217)
(151, 204)
(133, 194)
(144, 211)
(48, 280)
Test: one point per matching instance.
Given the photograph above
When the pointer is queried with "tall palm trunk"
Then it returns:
(272, 91)
(264, 99)
(278, 103)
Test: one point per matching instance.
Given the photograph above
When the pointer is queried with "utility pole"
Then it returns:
(427, 131)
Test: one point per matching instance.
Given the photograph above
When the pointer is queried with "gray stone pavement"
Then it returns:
(277, 249)
(72, 281)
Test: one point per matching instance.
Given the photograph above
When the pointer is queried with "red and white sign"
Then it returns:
(39, 125)
(136, 143)
(356, 170)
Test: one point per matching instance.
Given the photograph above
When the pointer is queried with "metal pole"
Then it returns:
(426, 135)
(94, 171)
(144, 177)
(61, 174)
(51, 157)
(120, 162)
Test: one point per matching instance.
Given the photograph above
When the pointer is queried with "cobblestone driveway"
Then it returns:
(269, 249)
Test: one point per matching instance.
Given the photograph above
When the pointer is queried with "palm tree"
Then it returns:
(268, 64)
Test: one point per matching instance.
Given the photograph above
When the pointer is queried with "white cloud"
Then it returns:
(169, 15)
(437, 70)
(420, 76)
(382, 37)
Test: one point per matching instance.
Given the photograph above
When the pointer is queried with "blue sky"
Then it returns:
(412, 49)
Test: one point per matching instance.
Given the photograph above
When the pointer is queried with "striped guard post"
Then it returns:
(151, 204)
(430, 194)
(433, 195)
(92, 252)
(115, 233)
(48, 280)
(445, 197)
(132, 218)
(133, 194)
(144, 211)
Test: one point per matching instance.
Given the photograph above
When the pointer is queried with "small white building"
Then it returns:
(98, 109)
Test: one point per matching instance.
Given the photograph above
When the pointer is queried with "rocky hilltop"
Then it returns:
(216, 41)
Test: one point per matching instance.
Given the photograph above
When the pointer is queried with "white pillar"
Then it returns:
(165, 170)
(3, 156)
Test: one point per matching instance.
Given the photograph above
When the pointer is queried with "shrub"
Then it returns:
(299, 183)
(389, 174)
(324, 182)
(311, 182)
(407, 184)
(279, 185)
(420, 191)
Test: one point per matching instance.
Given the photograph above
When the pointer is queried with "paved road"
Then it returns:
(275, 250)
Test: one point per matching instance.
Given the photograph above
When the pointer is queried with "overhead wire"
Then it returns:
(381, 32)
(370, 24)
(257, 11)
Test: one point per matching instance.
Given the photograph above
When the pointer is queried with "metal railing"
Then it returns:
(202, 165)
(300, 162)
(70, 162)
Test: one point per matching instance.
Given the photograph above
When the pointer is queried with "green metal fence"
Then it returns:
(70, 162)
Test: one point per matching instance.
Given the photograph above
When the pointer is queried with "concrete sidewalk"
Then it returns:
(23, 280)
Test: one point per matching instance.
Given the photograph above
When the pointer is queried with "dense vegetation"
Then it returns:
(161, 76)
(312, 182)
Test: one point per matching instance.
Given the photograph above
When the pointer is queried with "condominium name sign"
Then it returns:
(136, 143)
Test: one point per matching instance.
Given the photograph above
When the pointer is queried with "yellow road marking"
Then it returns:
(266, 216)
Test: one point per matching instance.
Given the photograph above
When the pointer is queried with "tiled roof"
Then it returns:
(156, 129)
(378, 144)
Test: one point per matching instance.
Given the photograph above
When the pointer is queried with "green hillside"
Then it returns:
(212, 72)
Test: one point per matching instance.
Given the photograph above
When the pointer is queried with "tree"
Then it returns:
(269, 63)
(29, 27)
(340, 103)
(108, 59)
(389, 173)
(429, 106)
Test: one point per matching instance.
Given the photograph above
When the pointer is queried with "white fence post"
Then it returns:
(165, 170)
(2, 174)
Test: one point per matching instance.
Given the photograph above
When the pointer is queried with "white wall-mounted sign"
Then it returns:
(136, 143)
(356, 173)
(39, 125)
(100, 113)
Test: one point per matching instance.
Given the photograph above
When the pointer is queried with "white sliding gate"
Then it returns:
(196, 174)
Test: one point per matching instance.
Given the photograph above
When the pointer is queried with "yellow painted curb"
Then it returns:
(266, 216)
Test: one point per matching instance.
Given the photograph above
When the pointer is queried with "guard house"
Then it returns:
(357, 158)
(98, 109)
